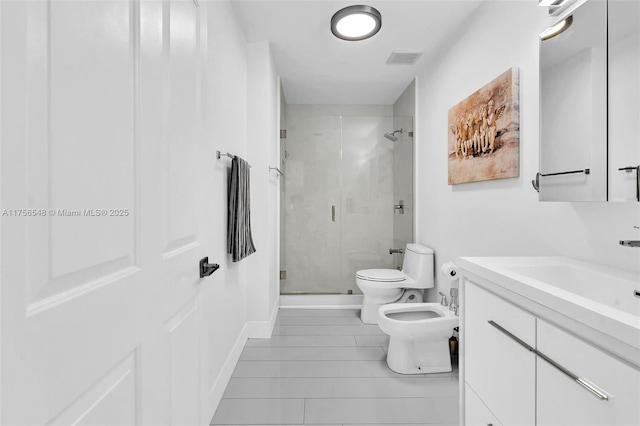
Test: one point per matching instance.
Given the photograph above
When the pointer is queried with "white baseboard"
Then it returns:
(321, 301)
(263, 329)
(218, 388)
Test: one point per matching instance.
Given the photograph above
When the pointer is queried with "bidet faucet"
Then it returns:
(443, 301)
(393, 251)
(453, 306)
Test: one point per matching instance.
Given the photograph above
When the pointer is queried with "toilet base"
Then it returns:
(418, 356)
(371, 305)
(369, 311)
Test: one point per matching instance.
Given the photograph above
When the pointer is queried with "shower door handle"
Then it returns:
(333, 213)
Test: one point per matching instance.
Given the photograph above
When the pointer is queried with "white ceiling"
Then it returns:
(318, 68)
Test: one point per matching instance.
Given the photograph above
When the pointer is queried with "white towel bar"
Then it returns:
(226, 154)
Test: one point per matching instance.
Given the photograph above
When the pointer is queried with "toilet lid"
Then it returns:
(382, 275)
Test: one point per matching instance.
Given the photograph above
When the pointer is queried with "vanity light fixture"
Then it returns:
(556, 29)
(355, 23)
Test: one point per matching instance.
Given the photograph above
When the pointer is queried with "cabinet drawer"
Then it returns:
(475, 412)
(499, 369)
(563, 401)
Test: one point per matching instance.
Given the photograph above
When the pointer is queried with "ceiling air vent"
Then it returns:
(403, 57)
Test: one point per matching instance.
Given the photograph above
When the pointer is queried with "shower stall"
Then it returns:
(347, 196)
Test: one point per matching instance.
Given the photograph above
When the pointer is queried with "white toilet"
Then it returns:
(418, 336)
(382, 286)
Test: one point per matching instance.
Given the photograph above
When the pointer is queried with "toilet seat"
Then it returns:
(382, 275)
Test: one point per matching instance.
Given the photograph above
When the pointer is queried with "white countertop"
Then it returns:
(599, 297)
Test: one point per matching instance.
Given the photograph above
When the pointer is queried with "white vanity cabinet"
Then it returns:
(499, 370)
(476, 412)
(563, 401)
(519, 369)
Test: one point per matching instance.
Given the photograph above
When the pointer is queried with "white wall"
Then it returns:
(224, 126)
(262, 151)
(503, 217)
(240, 117)
(405, 105)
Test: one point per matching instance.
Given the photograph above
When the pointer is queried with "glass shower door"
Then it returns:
(344, 178)
(311, 206)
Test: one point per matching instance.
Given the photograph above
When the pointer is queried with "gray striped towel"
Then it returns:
(239, 240)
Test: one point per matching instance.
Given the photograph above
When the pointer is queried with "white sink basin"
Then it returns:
(609, 289)
(599, 297)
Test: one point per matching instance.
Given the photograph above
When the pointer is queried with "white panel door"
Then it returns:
(100, 234)
(169, 131)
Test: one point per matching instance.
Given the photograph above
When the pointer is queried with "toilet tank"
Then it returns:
(418, 265)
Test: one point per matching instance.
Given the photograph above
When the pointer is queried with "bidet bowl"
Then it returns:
(418, 336)
(417, 320)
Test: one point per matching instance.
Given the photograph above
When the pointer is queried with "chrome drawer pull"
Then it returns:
(512, 336)
(582, 382)
(591, 388)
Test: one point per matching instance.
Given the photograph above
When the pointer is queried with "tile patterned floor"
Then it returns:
(325, 367)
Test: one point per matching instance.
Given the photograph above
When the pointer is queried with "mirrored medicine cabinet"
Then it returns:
(590, 104)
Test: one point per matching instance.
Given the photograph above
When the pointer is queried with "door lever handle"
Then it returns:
(207, 268)
(630, 243)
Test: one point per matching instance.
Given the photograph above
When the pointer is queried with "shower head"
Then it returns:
(391, 135)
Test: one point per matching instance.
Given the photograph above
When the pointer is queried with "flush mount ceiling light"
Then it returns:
(355, 23)
(558, 28)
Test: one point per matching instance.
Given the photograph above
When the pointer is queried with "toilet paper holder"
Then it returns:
(450, 270)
